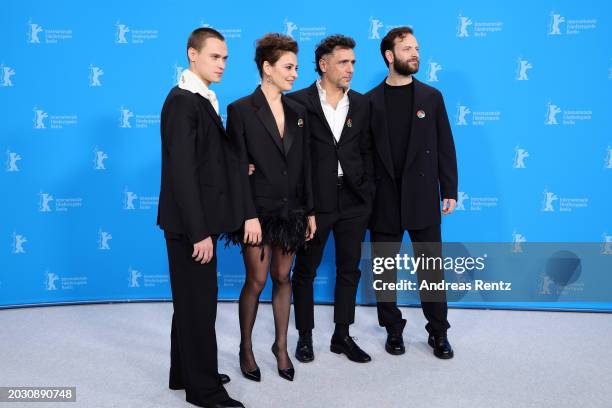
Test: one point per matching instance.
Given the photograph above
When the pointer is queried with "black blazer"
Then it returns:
(200, 192)
(282, 178)
(430, 168)
(353, 150)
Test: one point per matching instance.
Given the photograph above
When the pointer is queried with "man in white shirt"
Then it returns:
(200, 198)
(343, 187)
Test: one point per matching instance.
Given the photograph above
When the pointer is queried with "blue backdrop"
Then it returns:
(527, 86)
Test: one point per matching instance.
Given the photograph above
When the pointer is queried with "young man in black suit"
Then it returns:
(200, 198)
(343, 189)
(416, 169)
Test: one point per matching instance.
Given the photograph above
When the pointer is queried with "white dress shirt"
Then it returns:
(192, 83)
(336, 118)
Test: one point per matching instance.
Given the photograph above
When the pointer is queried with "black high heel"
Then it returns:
(286, 373)
(253, 375)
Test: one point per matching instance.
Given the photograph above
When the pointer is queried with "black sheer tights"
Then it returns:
(256, 275)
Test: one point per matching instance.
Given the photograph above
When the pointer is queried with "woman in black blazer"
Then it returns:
(270, 132)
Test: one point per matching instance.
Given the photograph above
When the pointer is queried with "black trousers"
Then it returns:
(348, 223)
(193, 340)
(435, 311)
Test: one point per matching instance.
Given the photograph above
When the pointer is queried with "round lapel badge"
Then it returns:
(421, 114)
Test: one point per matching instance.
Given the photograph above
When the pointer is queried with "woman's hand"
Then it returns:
(252, 231)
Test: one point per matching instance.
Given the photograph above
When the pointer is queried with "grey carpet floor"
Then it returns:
(117, 355)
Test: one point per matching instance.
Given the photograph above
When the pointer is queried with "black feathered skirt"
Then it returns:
(289, 233)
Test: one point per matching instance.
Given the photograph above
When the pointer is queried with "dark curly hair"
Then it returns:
(271, 46)
(327, 45)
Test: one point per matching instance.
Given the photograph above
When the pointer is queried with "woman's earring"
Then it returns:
(269, 79)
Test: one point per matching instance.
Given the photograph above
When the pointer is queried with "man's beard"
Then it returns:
(404, 68)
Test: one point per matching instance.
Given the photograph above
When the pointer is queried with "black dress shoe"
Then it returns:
(253, 375)
(441, 347)
(304, 352)
(224, 378)
(347, 346)
(286, 373)
(228, 403)
(395, 344)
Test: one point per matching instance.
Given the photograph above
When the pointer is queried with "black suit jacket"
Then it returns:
(353, 150)
(282, 178)
(200, 191)
(430, 168)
